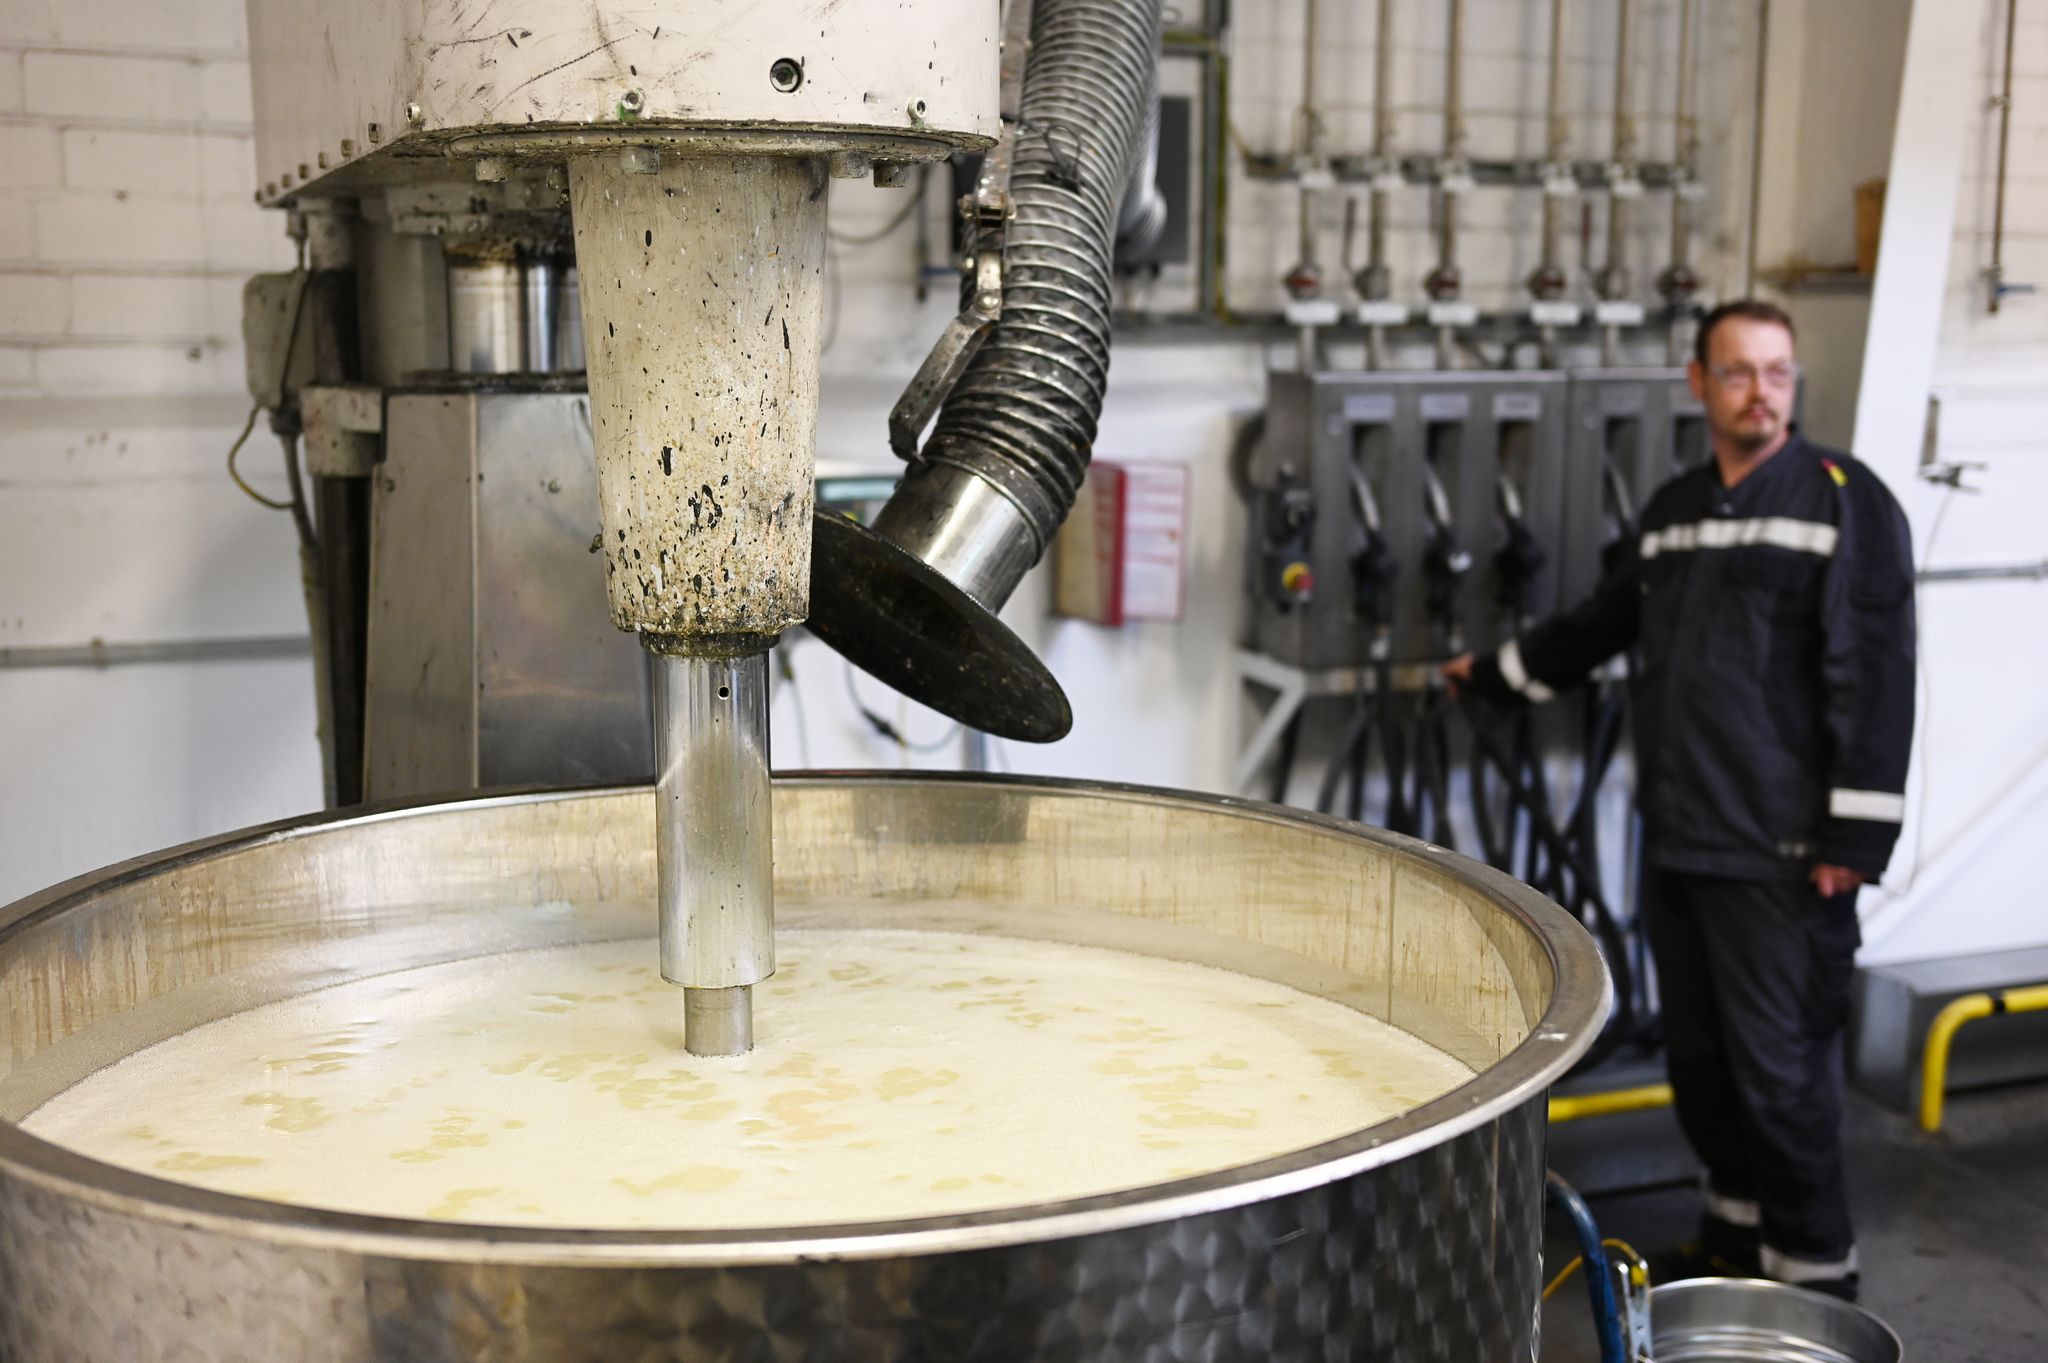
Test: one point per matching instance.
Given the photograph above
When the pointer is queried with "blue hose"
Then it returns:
(1599, 1279)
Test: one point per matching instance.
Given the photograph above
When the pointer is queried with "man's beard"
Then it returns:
(1755, 437)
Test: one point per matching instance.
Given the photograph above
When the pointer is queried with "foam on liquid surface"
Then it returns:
(897, 1074)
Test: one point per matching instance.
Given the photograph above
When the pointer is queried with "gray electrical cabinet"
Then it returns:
(1422, 509)
(1630, 432)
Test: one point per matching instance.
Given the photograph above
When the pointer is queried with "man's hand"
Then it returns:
(1456, 672)
(1834, 880)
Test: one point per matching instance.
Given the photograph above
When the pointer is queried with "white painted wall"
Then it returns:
(1967, 877)
(1831, 85)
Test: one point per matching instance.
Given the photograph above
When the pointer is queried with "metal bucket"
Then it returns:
(1417, 1239)
(1739, 1320)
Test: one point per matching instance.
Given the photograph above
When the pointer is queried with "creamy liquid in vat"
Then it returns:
(898, 1073)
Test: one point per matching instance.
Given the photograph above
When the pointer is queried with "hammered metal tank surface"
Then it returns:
(1414, 1240)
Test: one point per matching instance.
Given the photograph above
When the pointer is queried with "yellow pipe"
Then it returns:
(1606, 1104)
(1934, 1065)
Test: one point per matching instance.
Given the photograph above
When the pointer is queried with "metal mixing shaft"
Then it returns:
(713, 825)
(702, 303)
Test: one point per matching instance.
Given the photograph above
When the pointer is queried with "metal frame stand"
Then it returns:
(1292, 688)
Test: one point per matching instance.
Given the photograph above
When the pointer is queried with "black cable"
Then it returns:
(1283, 763)
(1432, 772)
(1347, 759)
(1582, 897)
(302, 519)
(895, 223)
(1373, 701)
(1493, 849)
(1531, 760)
(883, 729)
(1393, 750)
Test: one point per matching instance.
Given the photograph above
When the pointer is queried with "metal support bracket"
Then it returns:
(987, 213)
(342, 426)
(1291, 689)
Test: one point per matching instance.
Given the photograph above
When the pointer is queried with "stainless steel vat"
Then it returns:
(1413, 1240)
(1740, 1320)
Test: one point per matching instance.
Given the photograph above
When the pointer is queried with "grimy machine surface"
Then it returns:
(456, 173)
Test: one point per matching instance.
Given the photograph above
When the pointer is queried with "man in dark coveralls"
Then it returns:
(1768, 598)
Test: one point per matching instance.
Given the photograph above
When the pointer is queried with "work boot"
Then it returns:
(1732, 1251)
(1680, 1262)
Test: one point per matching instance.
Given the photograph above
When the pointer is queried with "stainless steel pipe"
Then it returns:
(1680, 281)
(966, 528)
(714, 842)
(486, 331)
(541, 287)
(1445, 283)
(1549, 280)
(1375, 282)
(1613, 281)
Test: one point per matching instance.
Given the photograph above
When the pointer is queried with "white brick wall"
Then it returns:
(31, 156)
(126, 169)
(126, 230)
(81, 85)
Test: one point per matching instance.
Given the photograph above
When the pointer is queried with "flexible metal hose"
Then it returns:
(1142, 219)
(1023, 415)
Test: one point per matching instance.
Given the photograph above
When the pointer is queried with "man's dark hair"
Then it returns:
(1753, 309)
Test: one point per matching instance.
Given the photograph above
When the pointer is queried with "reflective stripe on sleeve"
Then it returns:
(1515, 674)
(1878, 805)
(1806, 537)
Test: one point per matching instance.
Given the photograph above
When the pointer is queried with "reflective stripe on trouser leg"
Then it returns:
(1790, 1268)
(1775, 960)
(1736, 1211)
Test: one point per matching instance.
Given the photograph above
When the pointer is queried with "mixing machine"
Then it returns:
(670, 164)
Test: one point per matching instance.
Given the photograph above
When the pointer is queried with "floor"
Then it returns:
(1952, 1230)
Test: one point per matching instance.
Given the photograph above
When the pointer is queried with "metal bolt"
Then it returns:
(322, 159)
(916, 112)
(491, 170)
(849, 165)
(304, 171)
(892, 174)
(786, 74)
(630, 105)
(348, 146)
(270, 189)
(640, 160)
(415, 115)
(376, 133)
